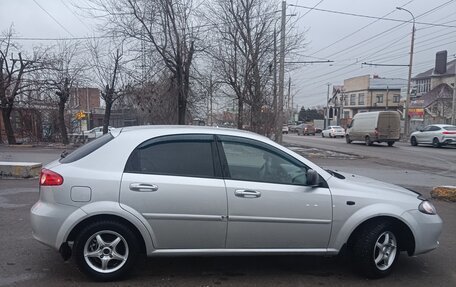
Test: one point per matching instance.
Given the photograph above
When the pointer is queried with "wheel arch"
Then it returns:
(405, 235)
(106, 211)
(107, 217)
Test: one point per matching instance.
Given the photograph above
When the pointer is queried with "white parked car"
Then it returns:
(333, 132)
(96, 132)
(437, 135)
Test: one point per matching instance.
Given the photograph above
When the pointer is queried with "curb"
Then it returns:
(447, 193)
(19, 169)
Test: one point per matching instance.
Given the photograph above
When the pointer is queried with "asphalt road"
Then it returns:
(401, 164)
(25, 262)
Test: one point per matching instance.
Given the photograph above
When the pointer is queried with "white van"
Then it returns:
(373, 127)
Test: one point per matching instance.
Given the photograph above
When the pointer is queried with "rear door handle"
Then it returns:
(247, 193)
(143, 187)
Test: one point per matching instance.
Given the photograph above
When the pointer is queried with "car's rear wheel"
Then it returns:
(106, 250)
(413, 141)
(390, 143)
(436, 143)
(376, 250)
(368, 141)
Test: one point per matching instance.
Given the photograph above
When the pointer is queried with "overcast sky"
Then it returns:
(328, 37)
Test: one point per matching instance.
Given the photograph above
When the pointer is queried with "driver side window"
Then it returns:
(255, 163)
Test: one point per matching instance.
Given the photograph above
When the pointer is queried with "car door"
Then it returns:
(175, 183)
(269, 203)
(425, 136)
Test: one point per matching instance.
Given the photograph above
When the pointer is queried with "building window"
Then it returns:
(361, 99)
(352, 99)
(379, 98)
(396, 99)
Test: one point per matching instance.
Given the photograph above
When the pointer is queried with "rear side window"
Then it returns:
(87, 149)
(449, 128)
(179, 156)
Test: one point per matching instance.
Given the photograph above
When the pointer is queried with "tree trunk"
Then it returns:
(107, 117)
(62, 125)
(240, 113)
(6, 113)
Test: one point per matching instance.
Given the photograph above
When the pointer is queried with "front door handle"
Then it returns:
(247, 193)
(143, 187)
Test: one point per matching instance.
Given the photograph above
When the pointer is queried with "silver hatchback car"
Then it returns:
(179, 191)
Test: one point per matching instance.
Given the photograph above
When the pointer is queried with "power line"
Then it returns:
(363, 42)
(315, 6)
(355, 32)
(55, 20)
(76, 16)
(371, 17)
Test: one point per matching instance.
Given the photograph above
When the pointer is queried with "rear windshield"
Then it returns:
(450, 128)
(87, 149)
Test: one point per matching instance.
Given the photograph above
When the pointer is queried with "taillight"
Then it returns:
(50, 178)
(449, 133)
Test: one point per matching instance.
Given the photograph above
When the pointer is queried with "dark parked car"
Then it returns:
(305, 129)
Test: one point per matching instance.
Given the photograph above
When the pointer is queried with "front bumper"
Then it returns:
(426, 230)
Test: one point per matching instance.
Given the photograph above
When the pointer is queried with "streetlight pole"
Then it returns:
(281, 72)
(407, 100)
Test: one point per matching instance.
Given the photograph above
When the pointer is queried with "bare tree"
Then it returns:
(65, 68)
(244, 55)
(110, 75)
(14, 68)
(167, 26)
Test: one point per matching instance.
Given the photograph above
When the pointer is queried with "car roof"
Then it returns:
(157, 130)
(442, 125)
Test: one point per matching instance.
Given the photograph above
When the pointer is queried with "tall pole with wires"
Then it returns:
(407, 99)
(282, 71)
(453, 111)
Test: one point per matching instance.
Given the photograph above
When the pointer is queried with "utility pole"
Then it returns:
(407, 100)
(278, 129)
(327, 108)
(288, 97)
(453, 114)
(281, 73)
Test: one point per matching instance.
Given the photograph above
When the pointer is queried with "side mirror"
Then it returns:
(313, 179)
(421, 130)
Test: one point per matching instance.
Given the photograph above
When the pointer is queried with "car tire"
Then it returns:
(114, 248)
(413, 141)
(322, 135)
(347, 139)
(376, 249)
(436, 143)
(390, 143)
(368, 141)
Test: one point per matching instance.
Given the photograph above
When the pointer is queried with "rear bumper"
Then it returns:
(447, 141)
(46, 219)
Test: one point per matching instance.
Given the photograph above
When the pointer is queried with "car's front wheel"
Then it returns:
(376, 250)
(413, 141)
(106, 250)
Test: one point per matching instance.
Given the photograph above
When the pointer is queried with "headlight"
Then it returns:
(427, 207)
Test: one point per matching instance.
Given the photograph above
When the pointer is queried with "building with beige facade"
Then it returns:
(365, 94)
